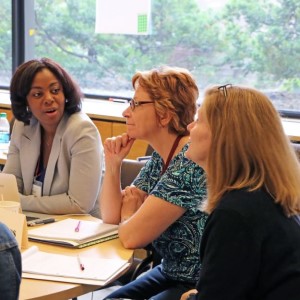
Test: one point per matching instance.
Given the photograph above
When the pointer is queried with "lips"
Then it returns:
(50, 110)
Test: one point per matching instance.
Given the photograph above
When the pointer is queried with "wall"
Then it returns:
(107, 128)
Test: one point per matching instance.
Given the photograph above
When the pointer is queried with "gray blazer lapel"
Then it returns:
(54, 155)
(49, 176)
(30, 142)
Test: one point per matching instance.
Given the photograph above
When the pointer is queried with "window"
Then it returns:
(5, 43)
(250, 42)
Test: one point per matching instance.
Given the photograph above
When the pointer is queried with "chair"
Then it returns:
(296, 146)
(149, 150)
(129, 170)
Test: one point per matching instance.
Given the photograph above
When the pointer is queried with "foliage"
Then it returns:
(108, 57)
(247, 41)
(265, 36)
(5, 42)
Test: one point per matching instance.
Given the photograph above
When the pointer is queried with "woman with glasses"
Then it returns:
(251, 243)
(161, 205)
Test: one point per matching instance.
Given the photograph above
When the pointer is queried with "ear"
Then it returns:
(165, 119)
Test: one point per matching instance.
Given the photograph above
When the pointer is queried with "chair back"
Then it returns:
(297, 149)
(129, 170)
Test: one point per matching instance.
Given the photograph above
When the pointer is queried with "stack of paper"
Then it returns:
(59, 267)
(74, 233)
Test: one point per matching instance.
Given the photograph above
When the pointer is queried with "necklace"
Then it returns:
(175, 144)
(48, 141)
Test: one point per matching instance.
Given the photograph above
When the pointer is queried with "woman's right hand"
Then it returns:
(132, 200)
(117, 148)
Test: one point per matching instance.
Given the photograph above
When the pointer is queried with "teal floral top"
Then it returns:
(182, 184)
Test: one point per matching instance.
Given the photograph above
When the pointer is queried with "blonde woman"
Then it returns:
(251, 243)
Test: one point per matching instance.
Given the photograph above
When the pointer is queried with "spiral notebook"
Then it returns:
(74, 233)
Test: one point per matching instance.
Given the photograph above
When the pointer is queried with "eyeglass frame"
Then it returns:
(223, 88)
(134, 103)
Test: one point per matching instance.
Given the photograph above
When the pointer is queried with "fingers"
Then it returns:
(133, 192)
(131, 202)
(124, 139)
(113, 145)
(130, 142)
(186, 294)
(117, 144)
(128, 191)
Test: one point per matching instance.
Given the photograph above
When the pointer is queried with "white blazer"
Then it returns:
(75, 168)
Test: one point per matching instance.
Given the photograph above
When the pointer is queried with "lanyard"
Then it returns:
(175, 144)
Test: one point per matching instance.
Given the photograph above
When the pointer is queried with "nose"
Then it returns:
(126, 112)
(48, 98)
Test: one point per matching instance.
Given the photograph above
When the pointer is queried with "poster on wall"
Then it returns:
(123, 17)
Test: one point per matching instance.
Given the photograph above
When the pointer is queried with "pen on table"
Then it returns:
(81, 265)
(40, 222)
(77, 228)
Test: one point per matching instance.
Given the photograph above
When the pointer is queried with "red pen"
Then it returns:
(81, 265)
(78, 226)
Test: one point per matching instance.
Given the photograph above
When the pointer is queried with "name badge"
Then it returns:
(37, 188)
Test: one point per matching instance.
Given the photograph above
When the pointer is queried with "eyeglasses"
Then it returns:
(223, 88)
(133, 103)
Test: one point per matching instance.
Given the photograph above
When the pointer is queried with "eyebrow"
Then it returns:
(50, 85)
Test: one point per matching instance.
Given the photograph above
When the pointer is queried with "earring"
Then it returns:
(27, 109)
(66, 100)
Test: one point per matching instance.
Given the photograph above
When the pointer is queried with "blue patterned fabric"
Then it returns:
(182, 184)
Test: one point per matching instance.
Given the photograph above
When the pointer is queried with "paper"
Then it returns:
(114, 17)
(74, 232)
(67, 268)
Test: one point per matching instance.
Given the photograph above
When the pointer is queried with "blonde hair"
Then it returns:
(249, 148)
(174, 90)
